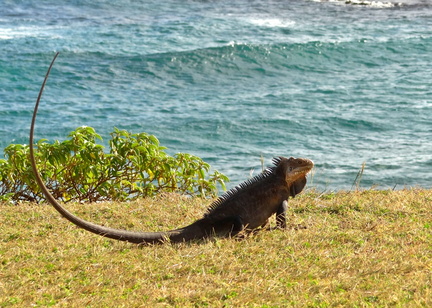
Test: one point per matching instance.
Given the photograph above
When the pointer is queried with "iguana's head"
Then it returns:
(294, 168)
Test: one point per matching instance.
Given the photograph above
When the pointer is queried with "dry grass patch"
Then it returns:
(371, 248)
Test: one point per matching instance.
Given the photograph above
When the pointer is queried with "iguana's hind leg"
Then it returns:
(228, 226)
(281, 215)
(265, 225)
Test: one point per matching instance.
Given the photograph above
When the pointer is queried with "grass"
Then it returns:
(352, 249)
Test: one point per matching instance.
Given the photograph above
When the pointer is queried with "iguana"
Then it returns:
(245, 207)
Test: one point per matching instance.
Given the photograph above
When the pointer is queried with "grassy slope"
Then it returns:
(371, 248)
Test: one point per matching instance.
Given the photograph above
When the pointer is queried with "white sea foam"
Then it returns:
(272, 22)
(377, 4)
(21, 32)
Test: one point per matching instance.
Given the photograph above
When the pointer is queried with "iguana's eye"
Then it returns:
(290, 168)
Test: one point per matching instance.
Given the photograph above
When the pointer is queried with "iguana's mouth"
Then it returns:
(302, 170)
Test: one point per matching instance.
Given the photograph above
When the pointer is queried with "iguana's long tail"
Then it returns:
(185, 234)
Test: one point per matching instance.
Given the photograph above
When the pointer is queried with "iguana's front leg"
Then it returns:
(281, 215)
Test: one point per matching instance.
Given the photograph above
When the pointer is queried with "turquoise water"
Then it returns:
(228, 81)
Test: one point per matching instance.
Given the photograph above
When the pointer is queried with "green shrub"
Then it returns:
(78, 169)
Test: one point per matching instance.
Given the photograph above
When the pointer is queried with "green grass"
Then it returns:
(352, 249)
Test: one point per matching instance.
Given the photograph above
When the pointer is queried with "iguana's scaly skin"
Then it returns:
(245, 207)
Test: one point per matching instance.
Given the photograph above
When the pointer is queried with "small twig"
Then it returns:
(358, 178)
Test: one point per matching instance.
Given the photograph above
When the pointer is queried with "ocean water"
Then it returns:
(340, 82)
